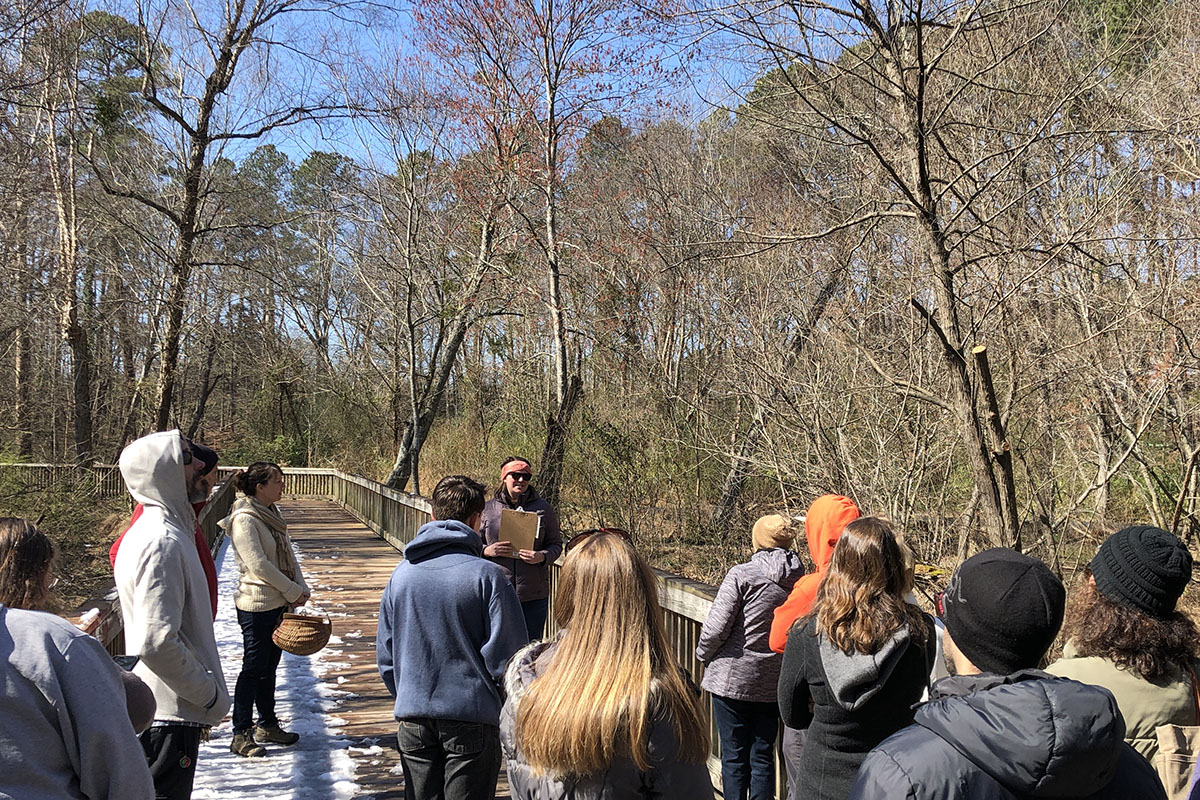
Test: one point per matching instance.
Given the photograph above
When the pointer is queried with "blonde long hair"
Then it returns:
(612, 675)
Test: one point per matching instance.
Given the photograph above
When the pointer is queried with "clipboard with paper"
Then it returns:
(519, 527)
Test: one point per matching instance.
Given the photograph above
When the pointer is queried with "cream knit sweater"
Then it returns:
(262, 585)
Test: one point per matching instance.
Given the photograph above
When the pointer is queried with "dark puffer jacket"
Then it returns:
(739, 662)
(667, 779)
(994, 737)
(532, 581)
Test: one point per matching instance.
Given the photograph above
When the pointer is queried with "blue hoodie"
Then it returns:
(449, 621)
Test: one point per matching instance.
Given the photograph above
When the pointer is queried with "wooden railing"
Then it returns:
(396, 517)
(103, 479)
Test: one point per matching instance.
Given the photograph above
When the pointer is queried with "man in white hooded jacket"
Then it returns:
(166, 609)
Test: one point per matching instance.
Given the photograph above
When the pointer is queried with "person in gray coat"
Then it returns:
(64, 732)
(741, 671)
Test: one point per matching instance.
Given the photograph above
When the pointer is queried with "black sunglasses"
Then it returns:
(582, 535)
(521, 476)
(187, 452)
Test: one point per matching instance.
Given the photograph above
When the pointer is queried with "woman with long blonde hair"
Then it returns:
(857, 664)
(603, 710)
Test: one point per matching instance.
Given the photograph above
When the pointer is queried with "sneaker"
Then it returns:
(244, 745)
(273, 734)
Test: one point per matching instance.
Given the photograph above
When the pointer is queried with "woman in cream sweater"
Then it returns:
(270, 583)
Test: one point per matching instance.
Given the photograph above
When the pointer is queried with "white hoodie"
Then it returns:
(163, 589)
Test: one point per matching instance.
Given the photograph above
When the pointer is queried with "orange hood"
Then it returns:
(827, 517)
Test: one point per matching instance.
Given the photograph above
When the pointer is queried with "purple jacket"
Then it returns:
(733, 645)
(532, 581)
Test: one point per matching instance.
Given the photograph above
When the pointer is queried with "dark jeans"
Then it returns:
(535, 612)
(747, 732)
(260, 658)
(171, 752)
(448, 760)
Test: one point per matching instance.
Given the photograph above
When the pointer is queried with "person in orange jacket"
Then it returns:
(827, 517)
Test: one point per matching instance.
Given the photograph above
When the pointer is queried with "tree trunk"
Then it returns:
(416, 430)
(206, 385)
(992, 470)
(735, 479)
(180, 276)
(23, 377)
(558, 426)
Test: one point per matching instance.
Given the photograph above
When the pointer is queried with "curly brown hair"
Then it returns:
(1149, 647)
(860, 603)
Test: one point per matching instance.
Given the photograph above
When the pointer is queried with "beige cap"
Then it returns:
(773, 530)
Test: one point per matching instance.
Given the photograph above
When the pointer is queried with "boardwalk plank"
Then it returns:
(347, 566)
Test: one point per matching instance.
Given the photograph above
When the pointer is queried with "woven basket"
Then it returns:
(302, 634)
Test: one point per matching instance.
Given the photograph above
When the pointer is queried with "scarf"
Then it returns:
(270, 516)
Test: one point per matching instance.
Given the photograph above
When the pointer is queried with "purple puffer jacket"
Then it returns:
(532, 581)
(733, 642)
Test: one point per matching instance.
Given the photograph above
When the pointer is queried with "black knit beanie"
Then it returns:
(1003, 610)
(1143, 567)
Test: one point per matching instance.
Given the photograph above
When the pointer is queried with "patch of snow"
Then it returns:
(319, 766)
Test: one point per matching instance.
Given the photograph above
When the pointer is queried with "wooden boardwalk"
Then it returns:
(347, 566)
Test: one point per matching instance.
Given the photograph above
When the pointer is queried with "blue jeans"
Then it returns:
(535, 612)
(445, 759)
(255, 686)
(747, 732)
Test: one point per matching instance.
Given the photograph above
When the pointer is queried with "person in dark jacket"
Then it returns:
(857, 664)
(449, 621)
(528, 570)
(998, 729)
(741, 671)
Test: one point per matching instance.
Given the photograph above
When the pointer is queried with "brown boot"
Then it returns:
(244, 745)
(273, 734)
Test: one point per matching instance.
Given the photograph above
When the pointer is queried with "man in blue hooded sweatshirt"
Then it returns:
(449, 621)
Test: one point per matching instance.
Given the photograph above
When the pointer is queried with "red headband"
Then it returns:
(515, 466)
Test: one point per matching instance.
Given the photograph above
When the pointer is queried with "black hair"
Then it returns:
(255, 475)
(457, 497)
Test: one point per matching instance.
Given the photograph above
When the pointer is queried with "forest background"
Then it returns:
(697, 261)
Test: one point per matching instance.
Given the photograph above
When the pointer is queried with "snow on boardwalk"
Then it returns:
(334, 699)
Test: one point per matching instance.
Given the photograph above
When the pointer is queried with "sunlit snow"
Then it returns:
(319, 766)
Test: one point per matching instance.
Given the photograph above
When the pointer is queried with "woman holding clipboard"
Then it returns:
(527, 568)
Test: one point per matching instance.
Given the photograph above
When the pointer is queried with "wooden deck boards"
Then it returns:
(347, 566)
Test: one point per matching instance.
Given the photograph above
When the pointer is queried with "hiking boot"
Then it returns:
(273, 734)
(244, 745)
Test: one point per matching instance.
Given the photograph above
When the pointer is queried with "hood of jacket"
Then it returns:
(855, 678)
(152, 468)
(1037, 735)
(442, 537)
(827, 517)
(779, 566)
